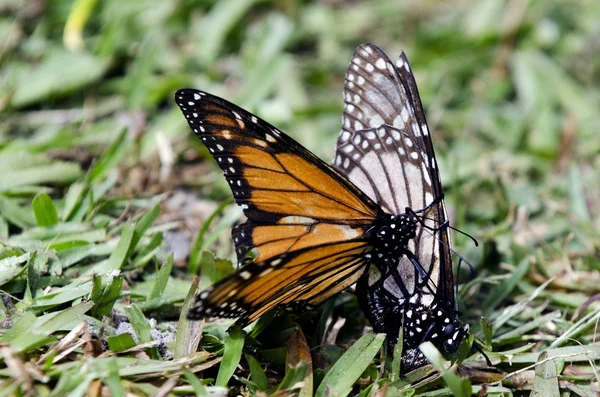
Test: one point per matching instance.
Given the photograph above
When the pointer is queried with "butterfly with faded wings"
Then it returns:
(378, 220)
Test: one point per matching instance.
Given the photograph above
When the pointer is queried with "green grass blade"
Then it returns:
(460, 387)
(218, 23)
(44, 210)
(11, 267)
(49, 78)
(20, 326)
(162, 277)
(63, 318)
(105, 294)
(197, 247)
(119, 256)
(188, 332)
(231, 356)
(499, 293)
(545, 382)
(74, 199)
(257, 374)
(397, 358)
(120, 342)
(143, 224)
(141, 327)
(110, 158)
(113, 380)
(197, 386)
(346, 371)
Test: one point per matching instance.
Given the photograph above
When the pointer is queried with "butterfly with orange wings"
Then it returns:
(376, 218)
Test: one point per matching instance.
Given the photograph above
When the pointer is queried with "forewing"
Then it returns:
(438, 212)
(385, 149)
(291, 198)
(308, 276)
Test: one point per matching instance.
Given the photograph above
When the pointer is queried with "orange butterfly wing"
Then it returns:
(307, 276)
(302, 213)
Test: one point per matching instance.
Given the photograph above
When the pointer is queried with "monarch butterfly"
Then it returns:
(399, 178)
(375, 218)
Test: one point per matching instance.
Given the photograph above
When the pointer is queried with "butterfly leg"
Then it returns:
(416, 264)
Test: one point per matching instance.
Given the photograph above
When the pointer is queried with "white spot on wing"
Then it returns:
(404, 113)
(297, 220)
(375, 121)
(428, 198)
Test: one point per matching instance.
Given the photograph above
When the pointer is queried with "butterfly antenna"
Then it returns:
(473, 239)
(434, 231)
(445, 224)
(461, 259)
(421, 271)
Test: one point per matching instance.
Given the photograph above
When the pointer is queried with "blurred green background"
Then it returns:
(89, 128)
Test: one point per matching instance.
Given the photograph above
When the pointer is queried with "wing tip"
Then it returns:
(189, 93)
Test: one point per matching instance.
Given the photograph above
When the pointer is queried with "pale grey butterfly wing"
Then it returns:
(385, 149)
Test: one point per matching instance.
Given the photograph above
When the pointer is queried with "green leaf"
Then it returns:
(44, 210)
(143, 224)
(188, 332)
(162, 277)
(504, 289)
(72, 315)
(113, 380)
(221, 19)
(110, 158)
(141, 326)
(348, 369)
(397, 359)
(105, 294)
(119, 256)
(197, 386)
(50, 78)
(10, 267)
(545, 382)
(231, 356)
(120, 342)
(460, 387)
(198, 247)
(54, 173)
(257, 374)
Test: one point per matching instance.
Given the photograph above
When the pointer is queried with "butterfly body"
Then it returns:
(393, 233)
(375, 218)
(420, 322)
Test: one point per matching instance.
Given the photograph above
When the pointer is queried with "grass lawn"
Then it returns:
(112, 214)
